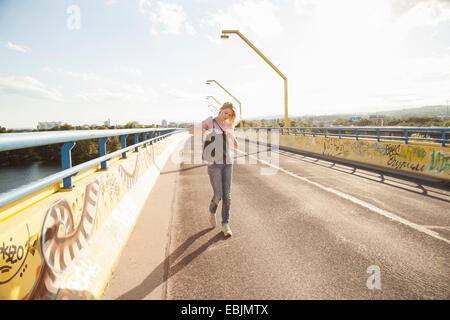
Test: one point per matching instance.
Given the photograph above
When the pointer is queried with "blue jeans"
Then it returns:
(220, 177)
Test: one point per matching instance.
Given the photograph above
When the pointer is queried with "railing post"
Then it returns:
(136, 140)
(102, 151)
(339, 132)
(257, 136)
(66, 163)
(406, 136)
(314, 132)
(304, 132)
(443, 138)
(295, 131)
(325, 132)
(144, 137)
(378, 135)
(356, 133)
(269, 134)
(123, 143)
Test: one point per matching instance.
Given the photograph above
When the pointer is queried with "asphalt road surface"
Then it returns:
(314, 229)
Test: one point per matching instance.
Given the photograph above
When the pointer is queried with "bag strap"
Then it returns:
(223, 131)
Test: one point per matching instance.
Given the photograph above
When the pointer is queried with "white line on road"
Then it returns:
(359, 202)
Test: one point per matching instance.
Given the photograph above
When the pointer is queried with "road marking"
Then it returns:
(362, 203)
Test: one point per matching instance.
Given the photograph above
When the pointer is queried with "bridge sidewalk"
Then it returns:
(141, 269)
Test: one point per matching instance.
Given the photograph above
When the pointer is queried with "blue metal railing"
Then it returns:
(13, 141)
(355, 132)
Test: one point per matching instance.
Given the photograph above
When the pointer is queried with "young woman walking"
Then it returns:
(220, 170)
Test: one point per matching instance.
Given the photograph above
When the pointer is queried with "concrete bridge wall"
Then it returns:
(64, 245)
(427, 159)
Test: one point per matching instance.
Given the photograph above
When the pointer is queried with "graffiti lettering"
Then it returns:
(399, 164)
(410, 153)
(332, 148)
(392, 150)
(359, 148)
(379, 149)
(12, 253)
(439, 162)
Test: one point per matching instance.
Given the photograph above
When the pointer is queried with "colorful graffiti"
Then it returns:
(36, 256)
(440, 161)
(425, 159)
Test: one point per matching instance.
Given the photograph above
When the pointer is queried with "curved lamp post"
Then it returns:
(214, 100)
(213, 107)
(208, 82)
(225, 35)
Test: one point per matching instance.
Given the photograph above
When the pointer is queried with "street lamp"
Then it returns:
(225, 35)
(213, 107)
(208, 82)
(214, 99)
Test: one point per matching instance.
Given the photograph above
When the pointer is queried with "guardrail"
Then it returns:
(363, 132)
(13, 141)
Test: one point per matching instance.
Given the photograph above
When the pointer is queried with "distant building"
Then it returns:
(107, 123)
(164, 124)
(48, 125)
(172, 125)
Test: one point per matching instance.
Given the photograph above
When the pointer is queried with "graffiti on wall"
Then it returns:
(440, 161)
(33, 263)
(423, 159)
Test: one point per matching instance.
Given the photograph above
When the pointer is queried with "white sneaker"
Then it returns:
(226, 229)
(212, 220)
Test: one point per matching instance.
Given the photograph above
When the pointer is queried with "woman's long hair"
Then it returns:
(229, 105)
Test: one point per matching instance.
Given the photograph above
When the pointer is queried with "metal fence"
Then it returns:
(14, 141)
(405, 134)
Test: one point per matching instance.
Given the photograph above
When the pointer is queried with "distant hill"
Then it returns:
(432, 111)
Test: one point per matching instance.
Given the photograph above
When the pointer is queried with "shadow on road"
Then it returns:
(390, 179)
(154, 279)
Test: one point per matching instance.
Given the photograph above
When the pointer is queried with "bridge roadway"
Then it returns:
(310, 231)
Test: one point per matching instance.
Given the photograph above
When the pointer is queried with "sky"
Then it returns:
(87, 61)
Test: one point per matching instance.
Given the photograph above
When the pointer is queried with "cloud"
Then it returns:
(29, 87)
(303, 6)
(107, 89)
(111, 3)
(411, 14)
(166, 18)
(131, 71)
(257, 17)
(16, 47)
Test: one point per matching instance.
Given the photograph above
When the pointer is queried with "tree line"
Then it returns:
(413, 121)
(86, 150)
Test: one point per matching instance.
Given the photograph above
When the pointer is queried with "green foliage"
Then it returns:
(88, 149)
(83, 150)
(417, 121)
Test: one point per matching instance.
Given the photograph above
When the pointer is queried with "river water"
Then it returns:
(12, 177)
